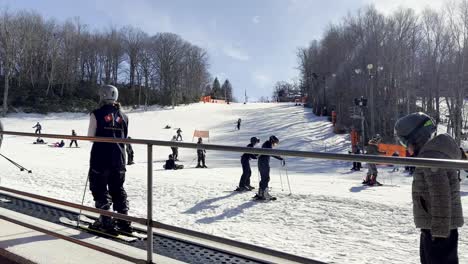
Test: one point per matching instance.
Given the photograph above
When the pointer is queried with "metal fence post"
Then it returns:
(149, 241)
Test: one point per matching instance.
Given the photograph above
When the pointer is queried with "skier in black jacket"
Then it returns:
(38, 128)
(201, 154)
(264, 168)
(244, 183)
(107, 162)
(73, 140)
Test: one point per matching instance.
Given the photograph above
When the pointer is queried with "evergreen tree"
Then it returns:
(216, 90)
(227, 90)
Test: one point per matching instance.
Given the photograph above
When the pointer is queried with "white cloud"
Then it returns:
(235, 53)
(256, 19)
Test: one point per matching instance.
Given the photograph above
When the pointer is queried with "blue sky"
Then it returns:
(250, 42)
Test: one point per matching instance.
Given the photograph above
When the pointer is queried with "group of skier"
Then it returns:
(437, 207)
(263, 168)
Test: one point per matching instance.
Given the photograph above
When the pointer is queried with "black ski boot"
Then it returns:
(105, 224)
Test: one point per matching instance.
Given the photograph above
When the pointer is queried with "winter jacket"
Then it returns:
(436, 191)
(248, 156)
(170, 164)
(372, 149)
(264, 160)
(201, 152)
(110, 122)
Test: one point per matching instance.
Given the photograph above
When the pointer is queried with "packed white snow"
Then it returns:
(329, 217)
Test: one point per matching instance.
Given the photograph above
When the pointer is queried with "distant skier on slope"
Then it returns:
(201, 155)
(38, 128)
(264, 168)
(107, 162)
(238, 124)
(179, 134)
(175, 150)
(372, 149)
(244, 183)
(73, 140)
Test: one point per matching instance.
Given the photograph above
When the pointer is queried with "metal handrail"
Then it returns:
(420, 162)
(134, 219)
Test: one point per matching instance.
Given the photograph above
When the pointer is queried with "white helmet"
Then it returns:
(108, 94)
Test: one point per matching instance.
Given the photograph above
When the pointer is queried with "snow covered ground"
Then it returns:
(330, 216)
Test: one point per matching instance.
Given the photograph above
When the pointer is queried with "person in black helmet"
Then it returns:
(264, 169)
(437, 207)
(244, 183)
(107, 162)
(201, 155)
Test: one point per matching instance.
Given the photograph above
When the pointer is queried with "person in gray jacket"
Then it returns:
(437, 205)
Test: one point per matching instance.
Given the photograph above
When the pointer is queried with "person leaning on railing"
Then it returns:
(437, 207)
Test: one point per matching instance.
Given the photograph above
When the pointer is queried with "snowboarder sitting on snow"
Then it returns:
(58, 144)
(38, 128)
(201, 154)
(175, 150)
(73, 140)
(167, 127)
(171, 165)
(107, 162)
(39, 141)
(179, 134)
(239, 123)
(129, 150)
(244, 183)
(264, 168)
(437, 206)
(372, 149)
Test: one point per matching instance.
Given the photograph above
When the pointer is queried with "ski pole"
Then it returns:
(16, 164)
(82, 200)
(281, 180)
(287, 177)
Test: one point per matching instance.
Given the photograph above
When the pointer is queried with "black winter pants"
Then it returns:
(264, 175)
(175, 153)
(73, 141)
(201, 159)
(439, 250)
(106, 185)
(246, 173)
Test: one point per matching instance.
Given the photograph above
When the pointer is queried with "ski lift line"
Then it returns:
(420, 162)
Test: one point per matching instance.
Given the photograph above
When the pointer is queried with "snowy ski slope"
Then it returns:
(330, 216)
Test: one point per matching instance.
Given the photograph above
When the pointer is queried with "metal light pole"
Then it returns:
(370, 66)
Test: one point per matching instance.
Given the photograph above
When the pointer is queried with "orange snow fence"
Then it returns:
(208, 99)
(390, 149)
(205, 99)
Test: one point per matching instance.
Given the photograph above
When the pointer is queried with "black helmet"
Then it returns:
(254, 140)
(415, 129)
(274, 139)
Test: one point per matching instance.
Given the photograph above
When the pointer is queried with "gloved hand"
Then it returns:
(283, 162)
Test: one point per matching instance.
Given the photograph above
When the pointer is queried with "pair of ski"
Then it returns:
(85, 224)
